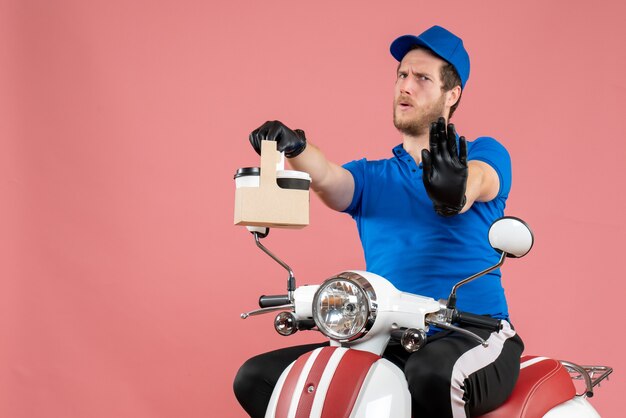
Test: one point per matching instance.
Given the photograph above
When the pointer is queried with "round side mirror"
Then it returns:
(512, 236)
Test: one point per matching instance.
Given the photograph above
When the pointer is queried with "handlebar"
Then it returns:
(482, 321)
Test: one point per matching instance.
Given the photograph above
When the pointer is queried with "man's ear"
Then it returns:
(453, 95)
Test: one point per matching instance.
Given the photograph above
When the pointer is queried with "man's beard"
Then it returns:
(421, 123)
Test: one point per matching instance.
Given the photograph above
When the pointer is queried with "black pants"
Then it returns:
(452, 376)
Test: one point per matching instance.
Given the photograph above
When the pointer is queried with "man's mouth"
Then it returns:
(404, 103)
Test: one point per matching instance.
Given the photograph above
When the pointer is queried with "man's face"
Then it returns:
(418, 97)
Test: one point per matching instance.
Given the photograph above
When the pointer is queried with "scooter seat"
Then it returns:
(543, 384)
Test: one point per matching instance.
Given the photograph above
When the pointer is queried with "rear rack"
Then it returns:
(592, 375)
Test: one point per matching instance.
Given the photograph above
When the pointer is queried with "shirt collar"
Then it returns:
(398, 151)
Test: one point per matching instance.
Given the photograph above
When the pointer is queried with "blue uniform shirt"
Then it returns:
(406, 242)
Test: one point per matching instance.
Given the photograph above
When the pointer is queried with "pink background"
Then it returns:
(122, 123)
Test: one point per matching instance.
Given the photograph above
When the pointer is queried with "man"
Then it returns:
(423, 217)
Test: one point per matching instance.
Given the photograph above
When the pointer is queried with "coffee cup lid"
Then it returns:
(247, 171)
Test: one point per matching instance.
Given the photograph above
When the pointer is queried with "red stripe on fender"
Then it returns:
(346, 383)
(313, 380)
(287, 391)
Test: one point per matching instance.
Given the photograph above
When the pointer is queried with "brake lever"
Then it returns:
(289, 307)
(445, 325)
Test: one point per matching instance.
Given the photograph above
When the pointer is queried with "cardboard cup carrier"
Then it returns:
(270, 196)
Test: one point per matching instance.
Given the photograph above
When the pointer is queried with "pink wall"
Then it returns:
(123, 122)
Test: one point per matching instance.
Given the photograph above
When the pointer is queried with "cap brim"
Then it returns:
(404, 44)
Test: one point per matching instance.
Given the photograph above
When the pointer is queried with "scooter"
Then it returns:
(361, 312)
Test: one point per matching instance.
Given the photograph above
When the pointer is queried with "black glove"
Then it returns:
(292, 143)
(445, 170)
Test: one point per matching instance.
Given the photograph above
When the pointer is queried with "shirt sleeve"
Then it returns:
(357, 169)
(490, 151)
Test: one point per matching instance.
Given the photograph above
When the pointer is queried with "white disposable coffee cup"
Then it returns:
(292, 179)
(247, 177)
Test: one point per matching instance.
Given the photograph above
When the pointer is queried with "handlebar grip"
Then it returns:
(269, 301)
(482, 321)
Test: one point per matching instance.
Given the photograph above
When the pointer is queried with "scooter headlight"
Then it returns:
(344, 307)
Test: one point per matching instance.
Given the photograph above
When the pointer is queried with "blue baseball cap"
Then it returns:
(442, 42)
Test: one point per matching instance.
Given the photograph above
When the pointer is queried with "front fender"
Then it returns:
(332, 382)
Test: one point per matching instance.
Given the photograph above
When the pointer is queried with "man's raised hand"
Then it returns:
(445, 169)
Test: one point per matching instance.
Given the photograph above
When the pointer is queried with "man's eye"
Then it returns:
(423, 77)
(401, 75)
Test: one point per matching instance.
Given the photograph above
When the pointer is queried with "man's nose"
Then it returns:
(406, 86)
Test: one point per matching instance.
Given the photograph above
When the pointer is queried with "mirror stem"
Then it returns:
(452, 298)
(291, 281)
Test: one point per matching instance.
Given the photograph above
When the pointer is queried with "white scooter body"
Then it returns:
(383, 392)
(578, 407)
